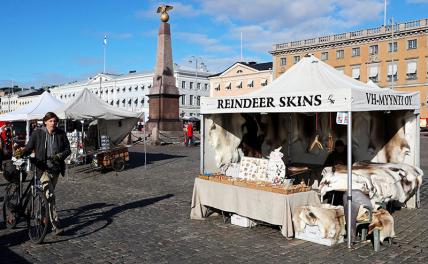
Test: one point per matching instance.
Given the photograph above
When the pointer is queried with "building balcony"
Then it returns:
(371, 32)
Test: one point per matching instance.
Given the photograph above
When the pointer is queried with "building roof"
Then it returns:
(264, 66)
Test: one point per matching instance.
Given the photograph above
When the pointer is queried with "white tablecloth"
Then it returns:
(269, 207)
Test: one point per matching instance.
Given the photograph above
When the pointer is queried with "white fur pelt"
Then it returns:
(383, 182)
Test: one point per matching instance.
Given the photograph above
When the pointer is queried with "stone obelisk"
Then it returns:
(164, 95)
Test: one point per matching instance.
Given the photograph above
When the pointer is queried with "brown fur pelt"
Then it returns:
(383, 221)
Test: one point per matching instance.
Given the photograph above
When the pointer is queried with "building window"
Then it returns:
(117, 90)
(183, 99)
(412, 44)
(198, 100)
(239, 84)
(373, 49)
(206, 86)
(191, 100)
(283, 61)
(183, 84)
(217, 87)
(250, 84)
(340, 54)
(123, 89)
(136, 88)
(239, 71)
(117, 102)
(130, 88)
(264, 82)
(373, 73)
(142, 102)
(191, 85)
(324, 56)
(356, 73)
(296, 59)
(411, 70)
(228, 86)
(198, 86)
(355, 52)
(392, 47)
(392, 72)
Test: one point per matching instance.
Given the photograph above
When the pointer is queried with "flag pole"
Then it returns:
(105, 45)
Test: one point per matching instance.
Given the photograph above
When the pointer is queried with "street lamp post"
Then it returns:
(196, 59)
(200, 60)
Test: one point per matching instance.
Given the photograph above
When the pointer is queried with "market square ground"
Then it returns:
(142, 216)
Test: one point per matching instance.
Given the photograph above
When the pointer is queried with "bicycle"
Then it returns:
(31, 204)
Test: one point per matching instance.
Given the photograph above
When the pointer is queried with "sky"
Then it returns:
(51, 42)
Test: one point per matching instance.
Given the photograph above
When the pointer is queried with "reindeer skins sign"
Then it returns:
(311, 102)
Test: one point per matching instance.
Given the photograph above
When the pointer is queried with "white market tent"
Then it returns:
(312, 86)
(111, 121)
(35, 110)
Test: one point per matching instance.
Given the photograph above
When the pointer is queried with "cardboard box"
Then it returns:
(313, 234)
(241, 221)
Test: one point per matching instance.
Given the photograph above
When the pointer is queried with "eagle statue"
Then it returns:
(163, 9)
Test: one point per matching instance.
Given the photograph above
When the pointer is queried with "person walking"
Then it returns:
(51, 148)
(190, 133)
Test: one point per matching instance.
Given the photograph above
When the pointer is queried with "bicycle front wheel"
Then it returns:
(10, 205)
(38, 219)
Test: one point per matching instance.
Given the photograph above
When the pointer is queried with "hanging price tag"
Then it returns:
(342, 118)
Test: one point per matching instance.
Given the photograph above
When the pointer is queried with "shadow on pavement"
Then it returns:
(136, 159)
(89, 219)
(8, 256)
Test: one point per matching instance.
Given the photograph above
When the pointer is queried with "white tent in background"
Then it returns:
(111, 121)
(35, 110)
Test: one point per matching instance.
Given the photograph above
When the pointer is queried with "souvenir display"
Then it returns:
(276, 167)
(253, 169)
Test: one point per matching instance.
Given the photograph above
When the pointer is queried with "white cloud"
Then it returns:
(265, 23)
(202, 40)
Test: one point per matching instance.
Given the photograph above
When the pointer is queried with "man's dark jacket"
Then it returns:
(37, 143)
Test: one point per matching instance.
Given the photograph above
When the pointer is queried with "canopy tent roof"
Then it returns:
(88, 106)
(313, 86)
(35, 110)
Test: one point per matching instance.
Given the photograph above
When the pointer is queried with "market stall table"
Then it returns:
(269, 207)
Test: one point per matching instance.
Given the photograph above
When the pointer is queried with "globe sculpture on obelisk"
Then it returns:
(164, 95)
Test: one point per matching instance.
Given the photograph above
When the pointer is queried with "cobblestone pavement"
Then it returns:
(142, 216)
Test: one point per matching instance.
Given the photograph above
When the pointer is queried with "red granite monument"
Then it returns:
(164, 95)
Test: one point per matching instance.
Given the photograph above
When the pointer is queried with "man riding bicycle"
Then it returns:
(51, 148)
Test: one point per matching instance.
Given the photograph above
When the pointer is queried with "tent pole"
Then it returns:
(27, 128)
(144, 136)
(417, 159)
(202, 149)
(349, 168)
